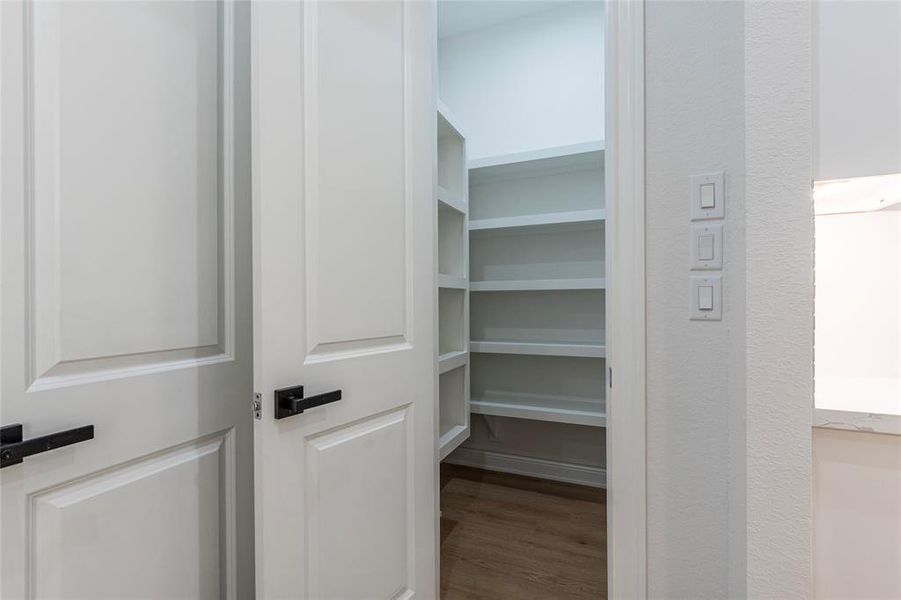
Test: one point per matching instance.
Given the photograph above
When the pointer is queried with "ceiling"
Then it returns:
(461, 16)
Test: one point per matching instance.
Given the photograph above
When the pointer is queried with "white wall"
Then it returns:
(857, 476)
(858, 311)
(857, 509)
(858, 82)
(779, 297)
(534, 82)
(694, 125)
(729, 402)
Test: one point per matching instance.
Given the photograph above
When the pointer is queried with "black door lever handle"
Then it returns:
(290, 401)
(13, 449)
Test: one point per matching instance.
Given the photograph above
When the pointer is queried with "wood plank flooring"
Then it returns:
(508, 537)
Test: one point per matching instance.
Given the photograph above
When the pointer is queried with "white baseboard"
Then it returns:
(533, 467)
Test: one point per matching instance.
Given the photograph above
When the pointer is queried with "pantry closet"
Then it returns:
(521, 254)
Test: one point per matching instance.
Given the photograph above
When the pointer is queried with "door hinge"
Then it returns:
(610, 377)
(257, 406)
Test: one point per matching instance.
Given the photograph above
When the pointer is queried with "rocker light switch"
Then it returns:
(708, 196)
(706, 252)
(705, 246)
(706, 297)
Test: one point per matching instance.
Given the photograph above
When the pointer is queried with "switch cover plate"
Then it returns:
(704, 204)
(706, 241)
(700, 289)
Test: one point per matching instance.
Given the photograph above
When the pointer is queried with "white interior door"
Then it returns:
(344, 298)
(126, 295)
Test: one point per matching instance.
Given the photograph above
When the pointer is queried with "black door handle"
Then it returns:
(290, 401)
(13, 449)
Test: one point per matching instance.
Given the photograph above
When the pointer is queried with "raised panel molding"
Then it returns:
(343, 466)
(122, 532)
(75, 344)
(350, 316)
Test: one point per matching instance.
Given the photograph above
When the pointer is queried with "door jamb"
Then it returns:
(626, 302)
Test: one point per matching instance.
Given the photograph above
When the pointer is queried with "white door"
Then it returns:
(344, 122)
(126, 294)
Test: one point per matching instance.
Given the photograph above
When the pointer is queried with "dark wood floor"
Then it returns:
(507, 537)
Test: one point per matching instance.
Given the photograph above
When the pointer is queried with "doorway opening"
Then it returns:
(522, 264)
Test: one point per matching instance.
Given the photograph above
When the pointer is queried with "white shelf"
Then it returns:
(450, 439)
(452, 360)
(451, 119)
(533, 348)
(452, 282)
(452, 246)
(591, 283)
(450, 200)
(542, 160)
(453, 407)
(538, 222)
(452, 330)
(577, 411)
(452, 170)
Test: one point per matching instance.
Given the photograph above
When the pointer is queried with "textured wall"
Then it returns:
(728, 87)
(779, 337)
(694, 113)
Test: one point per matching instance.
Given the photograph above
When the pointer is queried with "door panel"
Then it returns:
(356, 201)
(126, 291)
(344, 260)
(97, 537)
(124, 229)
(369, 459)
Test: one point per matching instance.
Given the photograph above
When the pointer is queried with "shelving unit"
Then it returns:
(547, 221)
(544, 388)
(452, 282)
(539, 349)
(543, 161)
(537, 277)
(523, 285)
(452, 362)
(577, 411)
(450, 200)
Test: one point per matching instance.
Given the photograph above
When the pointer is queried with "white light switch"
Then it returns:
(706, 246)
(708, 196)
(706, 297)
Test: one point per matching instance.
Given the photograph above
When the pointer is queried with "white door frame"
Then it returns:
(626, 302)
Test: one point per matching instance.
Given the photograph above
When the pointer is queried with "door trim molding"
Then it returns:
(626, 303)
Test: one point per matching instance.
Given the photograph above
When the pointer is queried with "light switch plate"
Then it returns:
(715, 230)
(696, 283)
(718, 210)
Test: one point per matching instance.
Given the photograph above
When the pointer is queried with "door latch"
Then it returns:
(290, 401)
(257, 406)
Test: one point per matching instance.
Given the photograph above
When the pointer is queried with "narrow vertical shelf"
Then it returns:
(452, 249)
